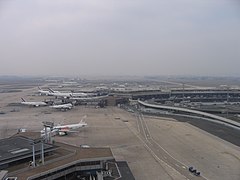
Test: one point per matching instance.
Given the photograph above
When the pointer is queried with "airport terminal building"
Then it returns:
(61, 161)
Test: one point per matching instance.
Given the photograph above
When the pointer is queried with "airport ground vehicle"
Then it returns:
(194, 171)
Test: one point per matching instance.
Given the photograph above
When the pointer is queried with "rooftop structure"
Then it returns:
(60, 159)
(18, 148)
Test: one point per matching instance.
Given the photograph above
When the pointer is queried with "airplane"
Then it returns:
(69, 83)
(88, 98)
(35, 104)
(65, 129)
(79, 94)
(46, 92)
(59, 94)
(53, 90)
(43, 92)
(63, 107)
(66, 94)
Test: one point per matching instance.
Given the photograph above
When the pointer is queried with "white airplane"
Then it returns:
(66, 94)
(79, 94)
(43, 92)
(63, 107)
(70, 83)
(65, 129)
(88, 98)
(35, 104)
(46, 92)
(59, 94)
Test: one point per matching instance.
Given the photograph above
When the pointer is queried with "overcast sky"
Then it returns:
(120, 37)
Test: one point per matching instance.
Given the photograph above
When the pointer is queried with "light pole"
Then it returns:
(33, 150)
(33, 143)
(48, 135)
(42, 155)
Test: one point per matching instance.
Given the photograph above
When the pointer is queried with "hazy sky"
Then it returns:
(120, 37)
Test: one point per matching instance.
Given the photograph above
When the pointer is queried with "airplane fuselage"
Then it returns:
(36, 104)
(63, 106)
(64, 129)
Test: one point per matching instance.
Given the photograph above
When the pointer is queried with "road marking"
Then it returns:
(145, 130)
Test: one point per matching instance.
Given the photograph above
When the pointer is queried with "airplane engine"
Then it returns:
(62, 133)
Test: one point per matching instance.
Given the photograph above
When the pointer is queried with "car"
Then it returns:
(191, 169)
(197, 173)
(194, 171)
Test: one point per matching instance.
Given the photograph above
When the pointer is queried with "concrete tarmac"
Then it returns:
(154, 147)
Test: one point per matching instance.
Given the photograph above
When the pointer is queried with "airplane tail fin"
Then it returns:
(39, 88)
(50, 90)
(23, 100)
(84, 117)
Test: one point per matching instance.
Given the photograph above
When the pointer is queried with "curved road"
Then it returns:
(213, 117)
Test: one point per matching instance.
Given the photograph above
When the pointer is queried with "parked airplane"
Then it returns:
(65, 129)
(63, 107)
(88, 98)
(80, 94)
(66, 94)
(35, 104)
(43, 92)
(69, 83)
(46, 92)
(59, 94)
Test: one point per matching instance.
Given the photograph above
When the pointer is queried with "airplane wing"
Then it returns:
(72, 131)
